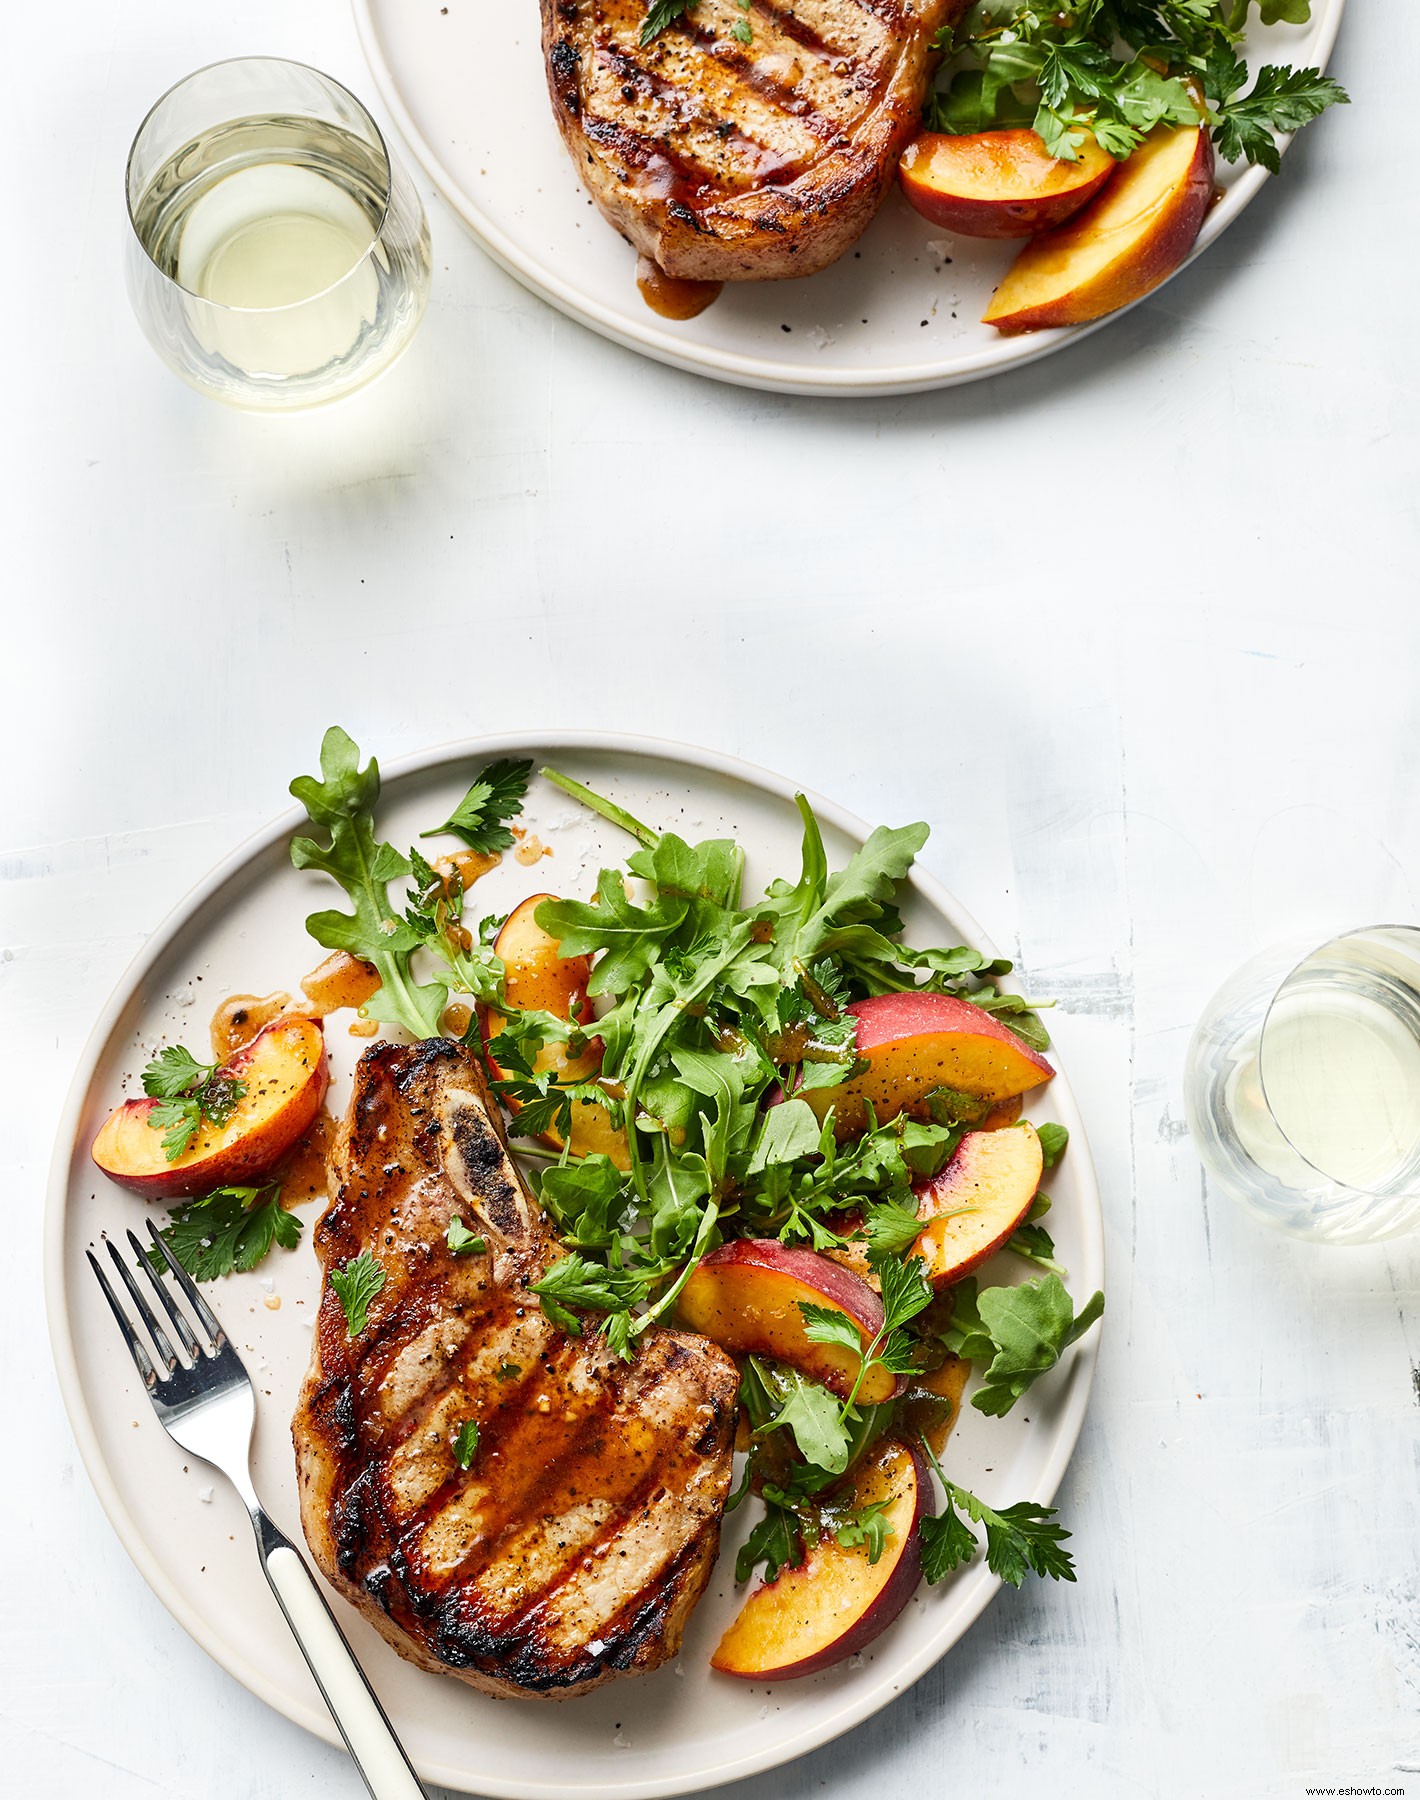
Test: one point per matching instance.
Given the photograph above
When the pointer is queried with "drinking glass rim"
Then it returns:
(289, 62)
(1339, 937)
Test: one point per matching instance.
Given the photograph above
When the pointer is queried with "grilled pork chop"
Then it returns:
(725, 161)
(575, 1546)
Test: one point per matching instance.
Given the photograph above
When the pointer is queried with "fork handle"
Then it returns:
(369, 1736)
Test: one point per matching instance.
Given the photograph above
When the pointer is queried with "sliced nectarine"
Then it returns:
(914, 1043)
(746, 1297)
(1129, 238)
(995, 1174)
(285, 1074)
(836, 1601)
(999, 184)
(537, 977)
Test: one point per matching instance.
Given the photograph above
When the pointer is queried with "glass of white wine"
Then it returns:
(1303, 1086)
(279, 254)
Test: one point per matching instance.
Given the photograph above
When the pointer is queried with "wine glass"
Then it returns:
(1302, 1086)
(279, 255)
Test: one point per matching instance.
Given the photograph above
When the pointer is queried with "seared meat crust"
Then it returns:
(575, 1546)
(725, 161)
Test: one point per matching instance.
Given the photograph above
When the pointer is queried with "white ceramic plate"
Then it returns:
(242, 930)
(464, 81)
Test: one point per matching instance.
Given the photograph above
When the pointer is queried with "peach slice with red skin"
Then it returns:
(538, 978)
(285, 1073)
(1130, 237)
(836, 1602)
(999, 184)
(996, 1174)
(915, 1043)
(745, 1297)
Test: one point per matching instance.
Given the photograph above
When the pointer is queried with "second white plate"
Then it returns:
(902, 312)
(684, 1727)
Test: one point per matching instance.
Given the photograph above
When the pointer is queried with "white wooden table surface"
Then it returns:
(1134, 629)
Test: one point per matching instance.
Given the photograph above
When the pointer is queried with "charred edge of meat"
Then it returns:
(563, 62)
(678, 210)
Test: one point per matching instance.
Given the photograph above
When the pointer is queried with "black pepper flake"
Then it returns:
(786, 327)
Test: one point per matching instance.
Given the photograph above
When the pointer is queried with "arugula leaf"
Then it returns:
(496, 795)
(869, 1526)
(342, 803)
(863, 888)
(776, 1541)
(812, 1415)
(585, 1200)
(1024, 1331)
(466, 1444)
(1035, 1244)
(356, 1285)
(1017, 1014)
(463, 1242)
(1053, 1139)
(230, 1228)
(790, 1130)
(630, 937)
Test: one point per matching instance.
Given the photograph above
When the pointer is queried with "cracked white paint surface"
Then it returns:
(1135, 630)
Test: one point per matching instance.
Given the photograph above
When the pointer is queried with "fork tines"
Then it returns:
(167, 1356)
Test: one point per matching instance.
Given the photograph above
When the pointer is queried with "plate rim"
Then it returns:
(893, 1679)
(653, 340)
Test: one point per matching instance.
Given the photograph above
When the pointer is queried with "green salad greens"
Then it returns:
(718, 1013)
(1118, 68)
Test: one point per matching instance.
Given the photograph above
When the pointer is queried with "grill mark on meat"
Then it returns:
(591, 1512)
(719, 147)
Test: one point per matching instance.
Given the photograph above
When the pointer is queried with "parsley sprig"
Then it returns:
(495, 796)
(356, 1283)
(187, 1092)
(232, 1228)
(1118, 68)
(1021, 1539)
(1018, 1332)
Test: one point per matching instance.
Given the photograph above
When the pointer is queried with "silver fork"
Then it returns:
(205, 1401)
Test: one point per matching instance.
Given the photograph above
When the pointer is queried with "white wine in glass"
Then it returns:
(1303, 1086)
(279, 257)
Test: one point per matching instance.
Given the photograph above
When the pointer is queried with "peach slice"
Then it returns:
(996, 1173)
(746, 1295)
(538, 977)
(999, 184)
(914, 1043)
(1129, 238)
(285, 1073)
(836, 1601)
